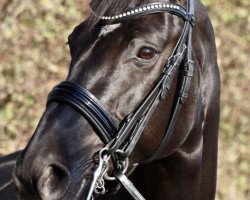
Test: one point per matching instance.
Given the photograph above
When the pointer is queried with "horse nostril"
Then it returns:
(53, 183)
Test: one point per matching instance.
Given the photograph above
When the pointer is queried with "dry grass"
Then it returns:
(33, 58)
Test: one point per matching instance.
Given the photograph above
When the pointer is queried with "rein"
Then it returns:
(120, 140)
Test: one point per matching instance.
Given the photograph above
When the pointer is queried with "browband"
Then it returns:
(152, 9)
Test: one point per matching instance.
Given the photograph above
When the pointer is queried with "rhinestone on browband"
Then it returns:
(142, 9)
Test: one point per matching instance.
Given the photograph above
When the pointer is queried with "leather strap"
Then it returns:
(128, 185)
(152, 8)
(183, 91)
(88, 106)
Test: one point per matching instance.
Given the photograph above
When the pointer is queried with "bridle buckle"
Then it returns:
(191, 18)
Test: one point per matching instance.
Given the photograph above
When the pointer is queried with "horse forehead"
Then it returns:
(109, 29)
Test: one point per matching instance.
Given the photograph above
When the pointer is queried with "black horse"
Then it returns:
(119, 55)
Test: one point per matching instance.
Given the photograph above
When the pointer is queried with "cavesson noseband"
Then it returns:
(120, 140)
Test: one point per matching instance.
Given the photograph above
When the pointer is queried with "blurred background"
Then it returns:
(34, 57)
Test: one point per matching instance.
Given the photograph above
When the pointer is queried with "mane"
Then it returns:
(99, 8)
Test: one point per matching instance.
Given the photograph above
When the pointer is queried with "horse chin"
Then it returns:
(111, 187)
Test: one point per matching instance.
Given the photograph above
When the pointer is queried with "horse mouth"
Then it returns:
(108, 187)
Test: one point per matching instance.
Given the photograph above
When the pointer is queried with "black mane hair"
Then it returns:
(111, 7)
(99, 8)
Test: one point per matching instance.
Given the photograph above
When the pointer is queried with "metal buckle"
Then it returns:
(98, 183)
(122, 166)
(191, 18)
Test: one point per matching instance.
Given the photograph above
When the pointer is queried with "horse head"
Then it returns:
(124, 54)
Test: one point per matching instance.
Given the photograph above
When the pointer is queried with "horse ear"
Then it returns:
(72, 38)
(77, 30)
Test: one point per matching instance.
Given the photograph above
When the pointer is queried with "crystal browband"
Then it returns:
(146, 8)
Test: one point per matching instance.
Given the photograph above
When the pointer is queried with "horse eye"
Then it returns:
(146, 53)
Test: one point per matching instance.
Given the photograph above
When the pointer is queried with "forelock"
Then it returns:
(99, 8)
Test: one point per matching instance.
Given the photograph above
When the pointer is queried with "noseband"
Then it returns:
(121, 139)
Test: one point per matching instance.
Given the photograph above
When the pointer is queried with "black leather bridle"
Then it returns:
(121, 139)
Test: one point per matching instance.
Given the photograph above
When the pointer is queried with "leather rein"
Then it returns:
(121, 139)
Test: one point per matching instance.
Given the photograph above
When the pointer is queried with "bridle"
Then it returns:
(120, 140)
